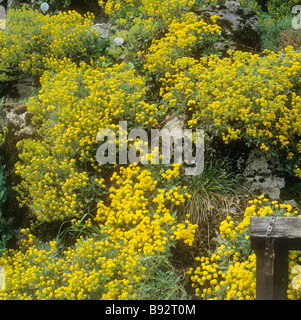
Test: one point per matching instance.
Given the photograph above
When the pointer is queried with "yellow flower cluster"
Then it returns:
(137, 223)
(230, 273)
(86, 271)
(31, 38)
(149, 21)
(166, 10)
(279, 10)
(245, 96)
(175, 172)
(3, 131)
(137, 201)
(238, 283)
(75, 102)
(162, 9)
(112, 6)
(183, 37)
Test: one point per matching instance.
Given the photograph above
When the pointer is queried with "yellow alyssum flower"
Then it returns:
(241, 97)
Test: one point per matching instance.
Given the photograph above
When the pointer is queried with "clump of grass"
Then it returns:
(273, 33)
(290, 37)
(211, 192)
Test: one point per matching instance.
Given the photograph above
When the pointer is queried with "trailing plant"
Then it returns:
(72, 106)
(127, 258)
(245, 96)
(31, 39)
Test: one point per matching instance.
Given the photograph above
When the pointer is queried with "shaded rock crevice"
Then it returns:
(240, 27)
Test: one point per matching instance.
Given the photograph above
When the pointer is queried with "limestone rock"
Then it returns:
(103, 29)
(232, 3)
(174, 121)
(175, 125)
(118, 41)
(239, 25)
(263, 175)
(15, 116)
(293, 203)
(20, 89)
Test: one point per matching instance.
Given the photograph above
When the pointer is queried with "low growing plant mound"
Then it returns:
(30, 39)
(122, 253)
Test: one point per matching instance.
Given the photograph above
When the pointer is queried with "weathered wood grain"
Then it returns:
(272, 255)
(285, 229)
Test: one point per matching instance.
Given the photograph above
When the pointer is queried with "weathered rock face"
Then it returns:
(16, 118)
(174, 121)
(263, 175)
(104, 30)
(239, 25)
(175, 124)
(89, 6)
(20, 89)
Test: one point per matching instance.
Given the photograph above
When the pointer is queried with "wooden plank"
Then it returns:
(280, 272)
(261, 285)
(264, 274)
(272, 254)
(272, 272)
(2, 17)
(285, 229)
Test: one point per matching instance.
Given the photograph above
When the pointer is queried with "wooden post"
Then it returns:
(272, 254)
(271, 272)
